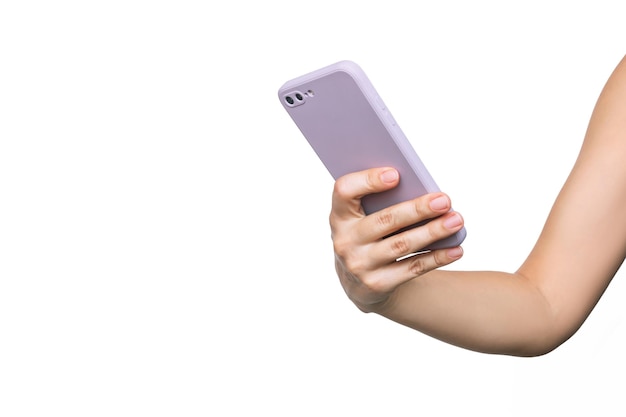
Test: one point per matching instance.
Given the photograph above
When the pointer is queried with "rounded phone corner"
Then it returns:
(350, 67)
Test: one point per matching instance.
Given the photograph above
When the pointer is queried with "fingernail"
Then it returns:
(455, 253)
(439, 203)
(453, 221)
(389, 176)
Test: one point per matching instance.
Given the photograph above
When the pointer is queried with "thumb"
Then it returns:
(351, 188)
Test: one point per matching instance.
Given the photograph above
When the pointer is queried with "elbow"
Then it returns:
(534, 350)
(548, 323)
(551, 342)
(545, 339)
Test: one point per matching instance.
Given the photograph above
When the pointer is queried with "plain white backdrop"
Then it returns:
(164, 247)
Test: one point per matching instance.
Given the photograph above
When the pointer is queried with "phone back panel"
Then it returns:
(349, 127)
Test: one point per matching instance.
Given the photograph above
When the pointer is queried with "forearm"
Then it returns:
(582, 245)
(491, 312)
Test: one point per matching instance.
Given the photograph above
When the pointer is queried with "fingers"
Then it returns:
(390, 220)
(407, 269)
(374, 255)
(415, 239)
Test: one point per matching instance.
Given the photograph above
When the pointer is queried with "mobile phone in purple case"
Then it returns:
(348, 125)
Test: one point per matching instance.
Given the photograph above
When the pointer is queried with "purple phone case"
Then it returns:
(347, 124)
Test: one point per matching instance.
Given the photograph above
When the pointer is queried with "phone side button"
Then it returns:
(379, 102)
(382, 106)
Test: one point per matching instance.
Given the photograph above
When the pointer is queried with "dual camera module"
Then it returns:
(296, 98)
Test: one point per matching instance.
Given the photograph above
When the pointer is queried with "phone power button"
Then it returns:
(382, 106)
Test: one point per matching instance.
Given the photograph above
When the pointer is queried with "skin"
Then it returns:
(526, 313)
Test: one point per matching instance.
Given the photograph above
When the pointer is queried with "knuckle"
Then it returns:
(374, 284)
(433, 231)
(418, 208)
(341, 246)
(385, 219)
(356, 266)
(341, 187)
(418, 266)
(351, 261)
(371, 180)
(440, 259)
(400, 246)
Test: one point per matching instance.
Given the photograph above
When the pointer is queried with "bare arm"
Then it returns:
(529, 312)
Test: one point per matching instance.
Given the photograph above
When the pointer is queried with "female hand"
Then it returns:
(369, 267)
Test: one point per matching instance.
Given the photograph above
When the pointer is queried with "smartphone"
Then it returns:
(351, 129)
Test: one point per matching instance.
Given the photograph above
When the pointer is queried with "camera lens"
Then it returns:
(289, 99)
(299, 96)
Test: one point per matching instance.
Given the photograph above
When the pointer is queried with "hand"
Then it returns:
(368, 265)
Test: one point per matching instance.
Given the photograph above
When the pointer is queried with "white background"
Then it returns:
(164, 247)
